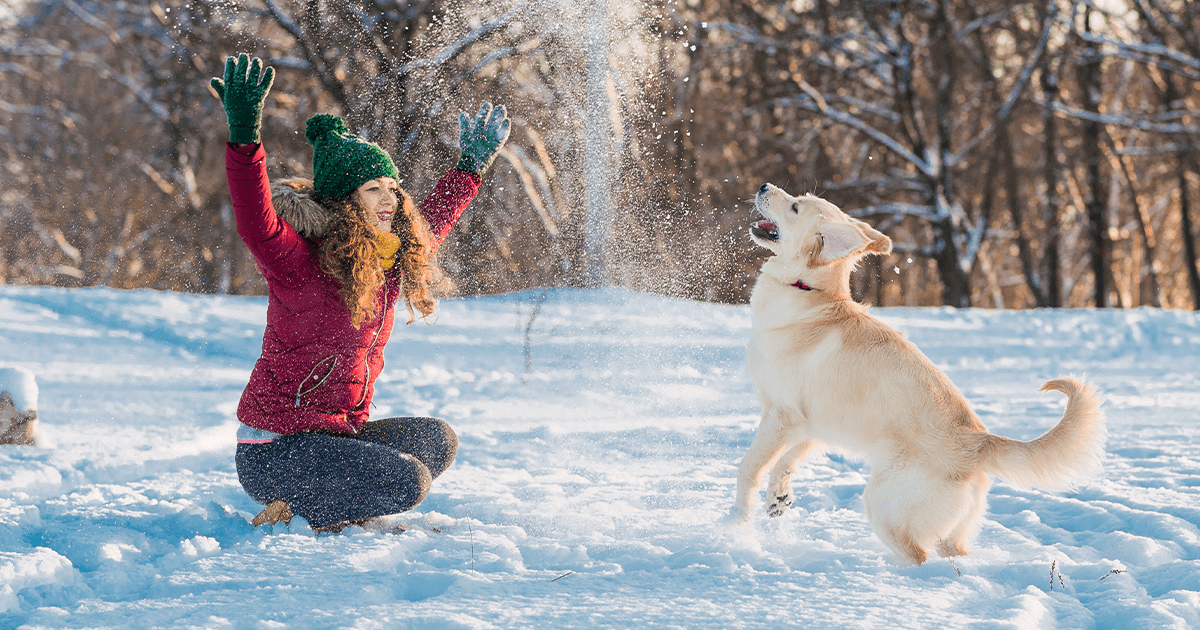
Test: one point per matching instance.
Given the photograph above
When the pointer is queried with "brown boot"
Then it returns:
(277, 511)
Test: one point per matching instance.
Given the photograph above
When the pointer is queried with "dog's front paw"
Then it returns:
(780, 505)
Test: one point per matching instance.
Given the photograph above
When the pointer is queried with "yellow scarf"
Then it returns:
(387, 244)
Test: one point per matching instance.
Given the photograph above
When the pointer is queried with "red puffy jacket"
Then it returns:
(316, 370)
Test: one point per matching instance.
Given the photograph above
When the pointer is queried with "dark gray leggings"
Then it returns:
(386, 468)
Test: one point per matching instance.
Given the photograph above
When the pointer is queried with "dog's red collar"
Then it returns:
(799, 284)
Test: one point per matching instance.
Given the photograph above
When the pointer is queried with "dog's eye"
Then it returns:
(796, 207)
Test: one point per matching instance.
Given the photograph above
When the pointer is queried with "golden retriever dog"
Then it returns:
(829, 375)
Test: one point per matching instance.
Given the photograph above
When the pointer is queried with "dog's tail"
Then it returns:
(1063, 456)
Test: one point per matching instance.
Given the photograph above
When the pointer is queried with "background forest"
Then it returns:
(1019, 154)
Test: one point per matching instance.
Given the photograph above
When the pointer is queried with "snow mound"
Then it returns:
(21, 387)
(594, 480)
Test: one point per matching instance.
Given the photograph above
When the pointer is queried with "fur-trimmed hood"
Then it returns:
(294, 203)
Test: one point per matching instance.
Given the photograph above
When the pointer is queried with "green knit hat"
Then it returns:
(343, 161)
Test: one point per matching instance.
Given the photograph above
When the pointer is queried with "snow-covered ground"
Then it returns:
(591, 491)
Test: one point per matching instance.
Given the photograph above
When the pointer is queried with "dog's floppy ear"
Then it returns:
(839, 240)
(879, 242)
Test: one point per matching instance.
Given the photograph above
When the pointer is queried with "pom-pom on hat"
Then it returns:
(343, 161)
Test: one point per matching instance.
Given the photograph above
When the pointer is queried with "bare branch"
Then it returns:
(455, 49)
(17, 68)
(1121, 121)
(517, 160)
(315, 61)
(857, 123)
(40, 47)
(11, 108)
(1156, 50)
(93, 21)
(897, 209)
(979, 23)
(914, 250)
(1013, 94)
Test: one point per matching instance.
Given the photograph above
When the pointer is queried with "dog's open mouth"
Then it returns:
(765, 230)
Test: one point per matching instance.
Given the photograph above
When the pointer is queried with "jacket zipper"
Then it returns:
(374, 340)
(367, 362)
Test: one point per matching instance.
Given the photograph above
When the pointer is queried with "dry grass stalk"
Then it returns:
(471, 533)
(947, 552)
(1053, 570)
(561, 576)
(1114, 572)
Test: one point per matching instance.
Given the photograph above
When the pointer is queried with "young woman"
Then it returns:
(339, 252)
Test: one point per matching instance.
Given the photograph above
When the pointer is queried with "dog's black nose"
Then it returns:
(763, 188)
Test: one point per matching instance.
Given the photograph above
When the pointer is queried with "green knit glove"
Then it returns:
(482, 138)
(243, 95)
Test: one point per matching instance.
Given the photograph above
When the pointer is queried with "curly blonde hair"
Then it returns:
(348, 252)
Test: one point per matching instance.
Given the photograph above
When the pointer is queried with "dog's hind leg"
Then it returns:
(769, 443)
(974, 497)
(779, 488)
(892, 499)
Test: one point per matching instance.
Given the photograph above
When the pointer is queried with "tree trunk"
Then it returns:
(1189, 239)
(1050, 167)
(956, 285)
(1171, 99)
(1012, 194)
(1093, 152)
(1149, 291)
(956, 288)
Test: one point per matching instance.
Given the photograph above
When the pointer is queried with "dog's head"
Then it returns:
(812, 239)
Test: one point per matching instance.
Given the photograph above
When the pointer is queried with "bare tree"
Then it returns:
(1171, 45)
(99, 182)
(396, 73)
(899, 80)
(1051, 212)
(1015, 151)
(1091, 85)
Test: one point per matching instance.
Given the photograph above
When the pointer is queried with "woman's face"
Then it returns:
(380, 197)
